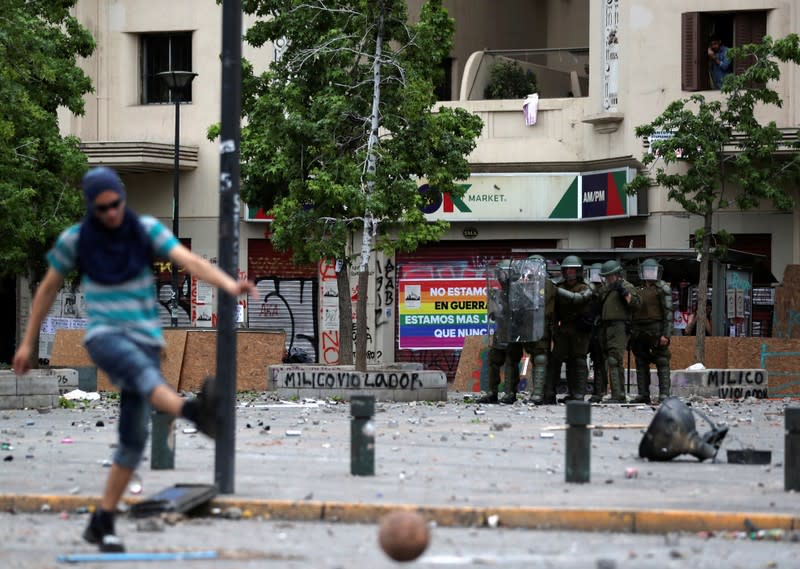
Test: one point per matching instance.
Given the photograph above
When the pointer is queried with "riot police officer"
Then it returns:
(618, 302)
(573, 328)
(599, 369)
(652, 330)
(502, 351)
(539, 349)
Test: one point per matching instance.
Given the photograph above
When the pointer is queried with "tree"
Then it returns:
(40, 43)
(339, 130)
(718, 154)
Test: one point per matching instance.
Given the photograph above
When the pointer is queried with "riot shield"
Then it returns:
(498, 310)
(527, 300)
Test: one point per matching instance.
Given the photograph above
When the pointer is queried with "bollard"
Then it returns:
(162, 439)
(578, 441)
(87, 378)
(362, 435)
(791, 453)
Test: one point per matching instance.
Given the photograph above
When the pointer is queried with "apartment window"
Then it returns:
(164, 52)
(734, 29)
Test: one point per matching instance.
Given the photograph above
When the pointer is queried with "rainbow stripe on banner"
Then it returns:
(437, 314)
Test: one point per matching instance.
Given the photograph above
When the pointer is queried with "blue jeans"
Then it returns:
(136, 369)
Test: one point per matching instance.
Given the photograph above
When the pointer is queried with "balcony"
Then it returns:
(140, 156)
(559, 72)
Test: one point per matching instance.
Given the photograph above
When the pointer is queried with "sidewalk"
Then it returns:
(463, 468)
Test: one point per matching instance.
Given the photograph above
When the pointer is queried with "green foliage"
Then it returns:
(305, 143)
(64, 403)
(40, 43)
(508, 80)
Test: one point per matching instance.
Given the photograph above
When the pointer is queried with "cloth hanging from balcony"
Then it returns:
(531, 107)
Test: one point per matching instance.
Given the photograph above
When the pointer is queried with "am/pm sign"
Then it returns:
(439, 313)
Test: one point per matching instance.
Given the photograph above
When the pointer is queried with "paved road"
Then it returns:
(433, 454)
(35, 540)
(447, 457)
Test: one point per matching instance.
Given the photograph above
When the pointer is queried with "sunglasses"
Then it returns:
(102, 208)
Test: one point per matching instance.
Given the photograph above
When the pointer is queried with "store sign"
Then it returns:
(438, 314)
(253, 213)
(470, 232)
(534, 197)
(602, 194)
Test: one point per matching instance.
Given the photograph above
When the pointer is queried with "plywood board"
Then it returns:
(68, 351)
(786, 316)
(472, 365)
(255, 350)
(172, 355)
(682, 350)
(781, 358)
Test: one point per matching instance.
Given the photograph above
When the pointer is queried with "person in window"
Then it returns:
(691, 324)
(719, 62)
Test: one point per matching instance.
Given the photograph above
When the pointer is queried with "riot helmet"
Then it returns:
(611, 267)
(650, 270)
(572, 268)
(502, 271)
(532, 267)
(594, 273)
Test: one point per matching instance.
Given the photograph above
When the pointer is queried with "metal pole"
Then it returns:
(791, 455)
(362, 435)
(228, 240)
(579, 448)
(173, 307)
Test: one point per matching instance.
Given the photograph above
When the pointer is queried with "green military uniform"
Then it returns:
(599, 368)
(509, 356)
(651, 322)
(573, 328)
(618, 302)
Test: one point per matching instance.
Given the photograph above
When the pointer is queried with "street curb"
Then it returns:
(570, 519)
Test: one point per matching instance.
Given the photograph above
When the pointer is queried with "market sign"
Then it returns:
(437, 314)
(534, 197)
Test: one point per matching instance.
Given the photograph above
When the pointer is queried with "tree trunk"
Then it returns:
(361, 319)
(369, 221)
(345, 315)
(702, 289)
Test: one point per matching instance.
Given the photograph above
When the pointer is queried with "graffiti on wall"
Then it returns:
(287, 304)
(384, 292)
(384, 298)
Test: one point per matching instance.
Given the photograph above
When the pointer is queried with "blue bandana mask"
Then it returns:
(111, 255)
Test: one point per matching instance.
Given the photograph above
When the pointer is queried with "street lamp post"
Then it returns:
(176, 81)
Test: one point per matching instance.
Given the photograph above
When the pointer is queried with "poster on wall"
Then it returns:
(438, 314)
(204, 298)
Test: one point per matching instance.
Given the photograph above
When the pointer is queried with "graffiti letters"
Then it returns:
(409, 381)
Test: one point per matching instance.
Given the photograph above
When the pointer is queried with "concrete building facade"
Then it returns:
(603, 68)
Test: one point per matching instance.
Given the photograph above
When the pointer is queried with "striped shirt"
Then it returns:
(129, 307)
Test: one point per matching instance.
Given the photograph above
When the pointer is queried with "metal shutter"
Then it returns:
(453, 258)
(287, 296)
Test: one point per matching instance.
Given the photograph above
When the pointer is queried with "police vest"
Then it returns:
(652, 307)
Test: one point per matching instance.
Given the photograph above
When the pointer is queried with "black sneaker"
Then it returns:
(488, 399)
(206, 402)
(101, 533)
(508, 399)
